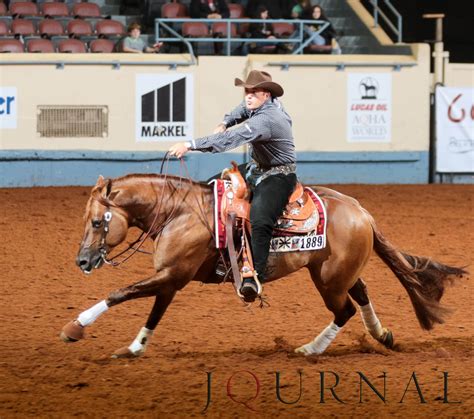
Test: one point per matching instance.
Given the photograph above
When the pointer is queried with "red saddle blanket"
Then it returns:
(284, 240)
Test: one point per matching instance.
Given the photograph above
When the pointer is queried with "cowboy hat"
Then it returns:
(260, 80)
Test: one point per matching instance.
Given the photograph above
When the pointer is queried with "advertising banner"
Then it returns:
(164, 105)
(454, 130)
(8, 107)
(369, 107)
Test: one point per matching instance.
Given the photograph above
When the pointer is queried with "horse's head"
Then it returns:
(106, 226)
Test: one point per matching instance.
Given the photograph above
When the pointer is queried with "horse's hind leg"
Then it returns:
(343, 309)
(371, 322)
(138, 346)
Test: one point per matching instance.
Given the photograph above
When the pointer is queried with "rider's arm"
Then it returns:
(255, 129)
(236, 116)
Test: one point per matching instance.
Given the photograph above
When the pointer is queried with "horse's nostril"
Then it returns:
(82, 262)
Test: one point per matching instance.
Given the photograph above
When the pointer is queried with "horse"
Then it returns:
(177, 214)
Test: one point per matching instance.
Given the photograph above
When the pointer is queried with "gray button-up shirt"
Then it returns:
(266, 129)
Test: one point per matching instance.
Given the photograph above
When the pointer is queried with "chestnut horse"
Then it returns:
(178, 215)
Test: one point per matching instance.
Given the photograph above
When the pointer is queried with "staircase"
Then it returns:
(353, 36)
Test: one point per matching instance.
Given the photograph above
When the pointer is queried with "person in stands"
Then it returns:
(134, 44)
(209, 9)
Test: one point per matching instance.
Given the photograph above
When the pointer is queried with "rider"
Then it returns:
(266, 127)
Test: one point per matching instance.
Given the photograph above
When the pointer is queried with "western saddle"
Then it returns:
(299, 217)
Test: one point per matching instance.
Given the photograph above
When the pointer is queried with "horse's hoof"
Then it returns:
(126, 353)
(72, 332)
(303, 350)
(387, 339)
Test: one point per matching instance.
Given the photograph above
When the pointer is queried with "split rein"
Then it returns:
(154, 230)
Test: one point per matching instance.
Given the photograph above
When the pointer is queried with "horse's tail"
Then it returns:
(423, 279)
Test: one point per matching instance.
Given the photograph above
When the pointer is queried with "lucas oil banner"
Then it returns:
(454, 130)
(164, 107)
(369, 107)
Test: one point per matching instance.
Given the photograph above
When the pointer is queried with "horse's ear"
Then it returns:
(113, 195)
(100, 181)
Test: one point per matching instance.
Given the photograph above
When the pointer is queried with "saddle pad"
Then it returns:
(280, 243)
(313, 241)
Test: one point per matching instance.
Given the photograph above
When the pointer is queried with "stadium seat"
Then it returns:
(50, 27)
(173, 10)
(79, 27)
(102, 45)
(86, 10)
(39, 45)
(4, 31)
(109, 27)
(72, 45)
(236, 11)
(24, 8)
(55, 9)
(220, 29)
(195, 30)
(3, 9)
(318, 49)
(11, 45)
(282, 30)
(22, 27)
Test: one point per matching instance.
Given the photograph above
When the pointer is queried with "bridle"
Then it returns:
(106, 218)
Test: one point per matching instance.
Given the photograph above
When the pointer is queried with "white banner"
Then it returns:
(164, 107)
(454, 130)
(369, 107)
(8, 107)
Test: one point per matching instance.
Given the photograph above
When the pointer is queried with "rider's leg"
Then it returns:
(269, 200)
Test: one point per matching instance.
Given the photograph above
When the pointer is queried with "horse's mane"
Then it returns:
(97, 191)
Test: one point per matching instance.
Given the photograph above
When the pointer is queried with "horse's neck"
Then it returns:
(151, 201)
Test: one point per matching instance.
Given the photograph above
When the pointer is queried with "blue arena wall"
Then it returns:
(27, 168)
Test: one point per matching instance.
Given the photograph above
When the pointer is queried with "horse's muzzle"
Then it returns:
(87, 261)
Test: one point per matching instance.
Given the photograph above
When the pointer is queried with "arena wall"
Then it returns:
(316, 96)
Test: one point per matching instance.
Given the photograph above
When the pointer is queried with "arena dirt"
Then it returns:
(208, 339)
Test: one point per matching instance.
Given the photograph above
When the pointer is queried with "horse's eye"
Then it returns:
(96, 223)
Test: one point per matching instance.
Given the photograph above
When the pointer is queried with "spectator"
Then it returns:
(209, 9)
(300, 9)
(328, 35)
(134, 44)
(262, 30)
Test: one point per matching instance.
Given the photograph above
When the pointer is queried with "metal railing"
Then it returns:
(297, 37)
(397, 30)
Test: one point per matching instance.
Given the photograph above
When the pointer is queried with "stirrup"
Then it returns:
(259, 288)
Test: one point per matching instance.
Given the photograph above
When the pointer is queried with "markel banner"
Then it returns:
(454, 130)
(369, 107)
(164, 107)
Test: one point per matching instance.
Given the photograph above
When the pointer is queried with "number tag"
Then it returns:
(298, 243)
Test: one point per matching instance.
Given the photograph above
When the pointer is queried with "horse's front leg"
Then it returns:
(160, 285)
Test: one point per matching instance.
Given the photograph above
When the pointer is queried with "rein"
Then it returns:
(154, 228)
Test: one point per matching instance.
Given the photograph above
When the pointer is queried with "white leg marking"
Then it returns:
(90, 316)
(371, 321)
(138, 346)
(321, 342)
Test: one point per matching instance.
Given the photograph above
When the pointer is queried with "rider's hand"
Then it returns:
(179, 150)
(220, 128)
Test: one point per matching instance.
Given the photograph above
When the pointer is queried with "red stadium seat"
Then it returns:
(50, 27)
(24, 8)
(72, 45)
(55, 9)
(173, 10)
(109, 27)
(40, 45)
(4, 28)
(86, 10)
(102, 45)
(3, 9)
(318, 49)
(220, 29)
(282, 30)
(236, 11)
(22, 27)
(79, 27)
(11, 45)
(195, 30)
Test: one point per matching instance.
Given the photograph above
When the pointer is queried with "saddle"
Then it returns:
(299, 217)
